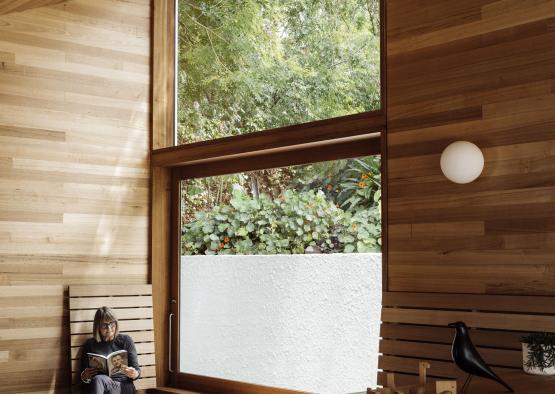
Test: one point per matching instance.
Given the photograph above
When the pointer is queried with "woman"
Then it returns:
(107, 339)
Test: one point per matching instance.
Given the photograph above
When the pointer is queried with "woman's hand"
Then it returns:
(88, 373)
(130, 372)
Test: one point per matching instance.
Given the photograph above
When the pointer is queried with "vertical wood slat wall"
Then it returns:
(482, 71)
(75, 88)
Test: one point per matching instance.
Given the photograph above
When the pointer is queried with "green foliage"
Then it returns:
(541, 350)
(248, 65)
(353, 184)
(289, 224)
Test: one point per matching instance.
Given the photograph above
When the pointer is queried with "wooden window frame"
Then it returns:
(344, 137)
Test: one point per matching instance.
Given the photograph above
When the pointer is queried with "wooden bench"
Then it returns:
(414, 327)
(133, 307)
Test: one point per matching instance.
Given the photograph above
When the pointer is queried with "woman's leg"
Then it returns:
(102, 384)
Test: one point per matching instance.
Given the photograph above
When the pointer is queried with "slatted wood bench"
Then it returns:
(133, 307)
(414, 327)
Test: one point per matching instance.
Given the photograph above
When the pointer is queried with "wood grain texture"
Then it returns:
(414, 327)
(480, 71)
(8, 6)
(75, 90)
(33, 339)
(163, 67)
(74, 139)
(160, 265)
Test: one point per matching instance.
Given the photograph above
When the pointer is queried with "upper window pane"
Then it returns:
(251, 65)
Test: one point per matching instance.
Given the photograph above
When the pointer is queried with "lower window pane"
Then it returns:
(281, 276)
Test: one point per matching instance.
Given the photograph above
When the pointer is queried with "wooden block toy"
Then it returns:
(446, 387)
(391, 380)
(422, 368)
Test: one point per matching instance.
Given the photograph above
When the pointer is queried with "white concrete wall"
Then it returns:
(305, 322)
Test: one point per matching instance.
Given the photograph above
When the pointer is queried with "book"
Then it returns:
(109, 365)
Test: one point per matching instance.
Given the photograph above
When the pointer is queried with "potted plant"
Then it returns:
(538, 353)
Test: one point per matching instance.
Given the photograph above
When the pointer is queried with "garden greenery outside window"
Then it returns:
(254, 65)
(329, 207)
(280, 279)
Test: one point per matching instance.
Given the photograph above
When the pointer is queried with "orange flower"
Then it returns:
(222, 245)
(361, 184)
(329, 187)
(354, 226)
(364, 176)
(226, 239)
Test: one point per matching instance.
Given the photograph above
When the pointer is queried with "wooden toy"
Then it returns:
(422, 387)
(446, 387)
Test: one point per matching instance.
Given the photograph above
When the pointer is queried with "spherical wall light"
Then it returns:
(462, 162)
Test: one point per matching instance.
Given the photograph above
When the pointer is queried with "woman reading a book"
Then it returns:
(116, 378)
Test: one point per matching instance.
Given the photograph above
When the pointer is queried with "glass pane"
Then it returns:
(254, 65)
(281, 276)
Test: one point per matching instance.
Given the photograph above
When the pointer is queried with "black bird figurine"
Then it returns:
(468, 359)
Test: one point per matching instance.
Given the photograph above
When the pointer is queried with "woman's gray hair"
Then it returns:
(102, 315)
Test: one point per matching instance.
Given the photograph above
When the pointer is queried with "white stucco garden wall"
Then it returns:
(305, 322)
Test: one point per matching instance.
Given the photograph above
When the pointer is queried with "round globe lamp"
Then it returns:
(462, 162)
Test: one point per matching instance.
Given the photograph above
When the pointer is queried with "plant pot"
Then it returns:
(534, 370)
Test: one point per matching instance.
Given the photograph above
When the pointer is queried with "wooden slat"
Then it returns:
(138, 337)
(498, 321)
(31, 291)
(145, 383)
(112, 302)
(122, 314)
(432, 334)
(114, 290)
(498, 357)
(8, 6)
(126, 325)
(498, 303)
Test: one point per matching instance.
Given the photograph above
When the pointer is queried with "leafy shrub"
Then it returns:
(289, 224)
(352, 183)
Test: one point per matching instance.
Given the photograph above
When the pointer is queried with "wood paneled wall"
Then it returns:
(481, 71)
(75, 83)
(74, 143)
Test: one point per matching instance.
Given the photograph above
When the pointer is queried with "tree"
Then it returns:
(248, 65)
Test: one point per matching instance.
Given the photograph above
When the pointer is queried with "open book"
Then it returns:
(109, 365)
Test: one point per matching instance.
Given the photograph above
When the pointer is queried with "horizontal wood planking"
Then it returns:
(33, 338)
(122, 314)
(10, 6)
(74, 173)
(99, 290)
(75, 133)
(438, 334)
(495, 303)
(500, 321)
(480, 71)
(112, 302)
(126, 326)
(138, 336)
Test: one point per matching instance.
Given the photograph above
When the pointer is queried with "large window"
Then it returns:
(279, 126)
(253, 65)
